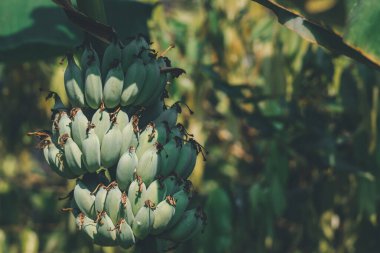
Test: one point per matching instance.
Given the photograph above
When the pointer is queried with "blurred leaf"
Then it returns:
(349, 44)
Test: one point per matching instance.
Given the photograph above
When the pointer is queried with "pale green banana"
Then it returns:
(126, 168)
(129, 54)
(91, 151)
(125, 236)
(113, 87)
(151, 84)
(136, 194)
(102, 121)
(93, 87)
(74, 85)
(163, 214)
(85, 200)
(112, 56)
(143, 222)
(79, 126)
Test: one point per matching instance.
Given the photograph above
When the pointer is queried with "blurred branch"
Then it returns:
(99, 30)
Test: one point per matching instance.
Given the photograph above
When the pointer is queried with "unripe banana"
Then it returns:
(126, 209)
(93, 87)
(130, 135)
(125, 236)
(163, 214)
(146, 140)
(151, 84)
(112, 204)
(79, 126)
(91, 151)
(61, 124)
(74, 83)
(126, 168)
(136, 194)
(162, 81)
(89, 57)
(184, 228)
(169, 158)
(122, 118)
(170, 115)
(113, 86)
(182, 199)
(85, 200)
(143, 47)
(111, 146)
(106, 235)
(102, 121)
(100, 198)
(87, 225)
(112, 55)
(57, 162)
(143, 222)
(133, 83)
(129, 54)
(187, 159)
(148, 165)
(73, 155)
(172, 184)
(156, 192)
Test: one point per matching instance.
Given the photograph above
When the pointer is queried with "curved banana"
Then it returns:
(156, 192)
(74, 83)
(113, 86)
(73, 155)
(126, 209)
(143, 222)
(129, 54)
(93, 86)
(136, 194)
(112, 55)
(113, 202)
(126, 168)
(111, 146)
(102, 121)
(147, 167)
(130, 135)
(91, 150)
(84, 199)
(79, 126)
(151, 84)
(106, 235)
(163, 214)
(125, 236)
(133, 83)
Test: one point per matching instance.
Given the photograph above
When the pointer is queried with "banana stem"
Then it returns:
(94, 9)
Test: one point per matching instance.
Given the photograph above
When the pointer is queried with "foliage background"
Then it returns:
(291, 130)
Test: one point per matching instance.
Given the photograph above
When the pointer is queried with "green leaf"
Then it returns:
(34, 29)
(359, 41)
(39, 29)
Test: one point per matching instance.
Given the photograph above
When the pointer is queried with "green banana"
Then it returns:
(182, 199)
(144, 49)
(112, 204)
(73, 155)
(63, 124)
(147, 167)
(162, 81)
(136, 194)
(152, 112)
(89, 57)
(111, 146)
(122, 118)
(143, 222)
(151, 84)
(187, 159)
(79, 126)
(184, 228)
(163, 214)
(169, 158)
(170, 115)
(112, 55)
(128, 54)
(146, 140)
(133, 83)
(74, 85)
(87, 225)
(93, 87)
(106, 235)
(102, 121)
(126, 168)
(156, 192)
(91, 150)
(126, 209)
(100, 198)
(113, 86)
(130, 135)
(84, 199)
(57, 162)
(125, 236)
(172, 184)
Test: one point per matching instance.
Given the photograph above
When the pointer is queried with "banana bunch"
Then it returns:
(124, 146)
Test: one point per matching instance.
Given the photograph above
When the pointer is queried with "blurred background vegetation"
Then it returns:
(291, 128)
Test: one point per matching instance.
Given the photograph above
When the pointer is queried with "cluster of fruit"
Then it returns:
(131, 183)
